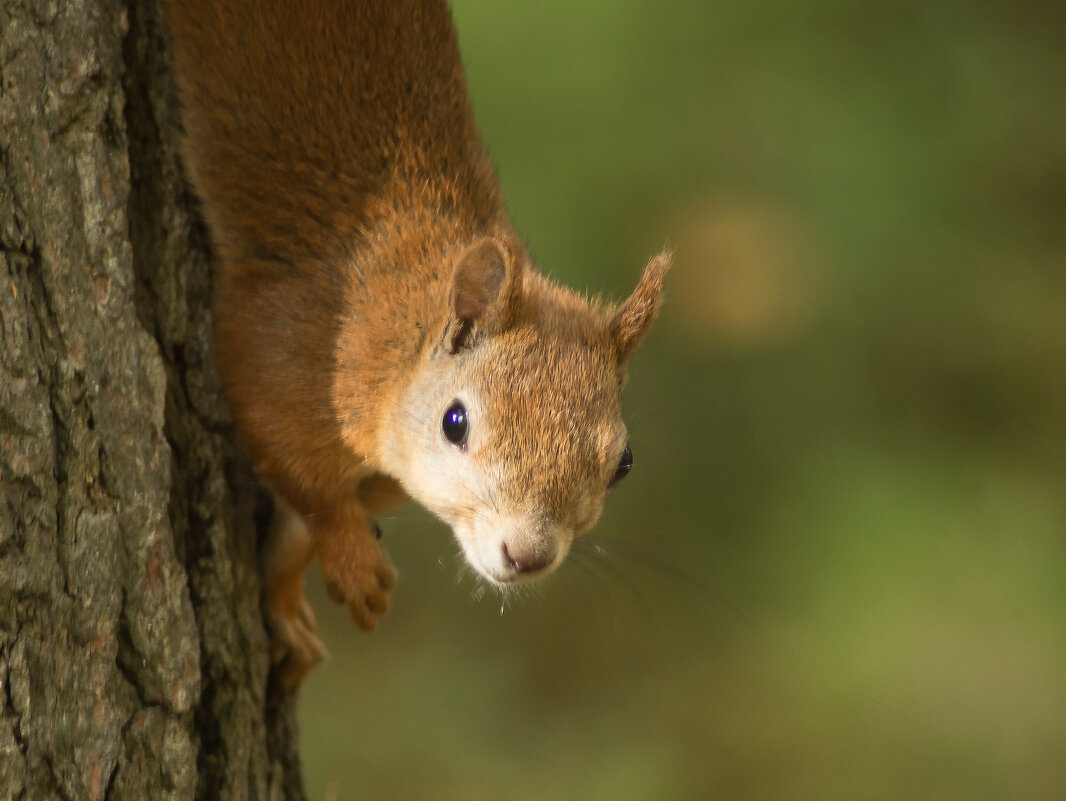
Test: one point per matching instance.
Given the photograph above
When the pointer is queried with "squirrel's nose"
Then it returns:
(526, 558)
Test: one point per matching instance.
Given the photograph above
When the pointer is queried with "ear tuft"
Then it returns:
(486, 289)
(634, 317)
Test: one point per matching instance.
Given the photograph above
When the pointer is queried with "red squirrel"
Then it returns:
(381, 331)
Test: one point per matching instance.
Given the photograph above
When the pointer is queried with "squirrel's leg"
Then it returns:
(287, 553)
(379, 492)
(355, 566)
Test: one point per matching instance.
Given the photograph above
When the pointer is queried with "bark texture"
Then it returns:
(133, 660)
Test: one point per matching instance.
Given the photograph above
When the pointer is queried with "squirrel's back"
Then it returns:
(305, 119)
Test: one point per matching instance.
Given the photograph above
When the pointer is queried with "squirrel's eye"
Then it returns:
(455, 424)
(624, 466)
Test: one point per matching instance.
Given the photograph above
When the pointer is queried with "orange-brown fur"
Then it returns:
(364, 260)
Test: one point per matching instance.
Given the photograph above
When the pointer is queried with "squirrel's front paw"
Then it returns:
(358, 572)
(294, 647)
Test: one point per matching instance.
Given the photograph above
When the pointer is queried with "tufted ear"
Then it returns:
(634, 317)
(486, 290)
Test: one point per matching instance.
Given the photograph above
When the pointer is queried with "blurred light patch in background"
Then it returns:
(746, 276)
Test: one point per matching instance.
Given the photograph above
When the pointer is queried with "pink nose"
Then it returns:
(524, 557)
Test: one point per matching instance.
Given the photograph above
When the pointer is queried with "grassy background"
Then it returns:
(838, 569)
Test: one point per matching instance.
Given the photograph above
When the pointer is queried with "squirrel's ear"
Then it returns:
(486, 289)
(634, 317)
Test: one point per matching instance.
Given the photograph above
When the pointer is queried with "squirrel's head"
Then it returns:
(511, 429)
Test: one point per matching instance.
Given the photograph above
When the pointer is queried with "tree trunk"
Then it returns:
(133, 660)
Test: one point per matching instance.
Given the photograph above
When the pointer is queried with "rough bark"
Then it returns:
(133, 660)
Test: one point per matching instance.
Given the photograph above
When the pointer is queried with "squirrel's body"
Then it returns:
(368, 279)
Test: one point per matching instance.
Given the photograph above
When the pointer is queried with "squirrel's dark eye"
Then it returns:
(624, 465)
(455, 424)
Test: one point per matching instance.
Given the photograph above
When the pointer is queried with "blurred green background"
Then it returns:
(838, 569)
